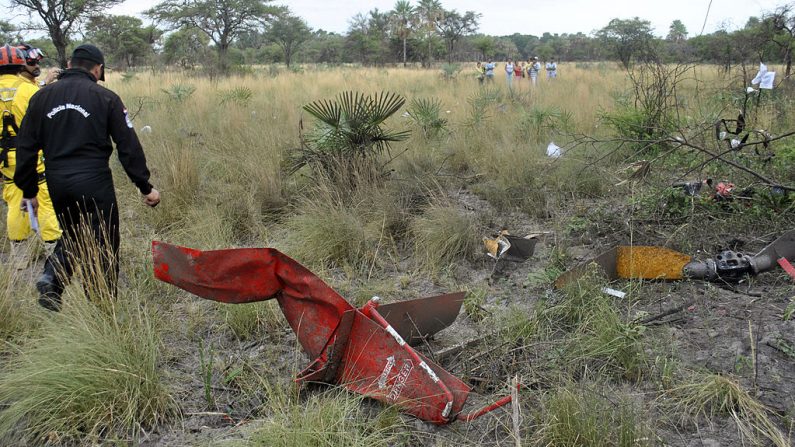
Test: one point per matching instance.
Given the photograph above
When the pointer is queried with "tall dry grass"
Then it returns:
(216, 149)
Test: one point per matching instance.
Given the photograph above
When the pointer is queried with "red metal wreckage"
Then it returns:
(367, 350)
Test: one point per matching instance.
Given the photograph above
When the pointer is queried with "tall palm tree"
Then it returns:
(430, 12)
(403, 18)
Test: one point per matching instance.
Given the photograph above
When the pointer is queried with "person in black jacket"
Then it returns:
(73, 121)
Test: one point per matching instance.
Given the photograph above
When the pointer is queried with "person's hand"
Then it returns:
(52, 76)
(34, 203)
(153, 198)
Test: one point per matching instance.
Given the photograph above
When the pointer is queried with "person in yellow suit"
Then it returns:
(15, 93)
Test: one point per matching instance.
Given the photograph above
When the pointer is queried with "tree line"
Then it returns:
(220, 34)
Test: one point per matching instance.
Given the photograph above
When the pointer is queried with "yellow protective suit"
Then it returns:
(15, 93)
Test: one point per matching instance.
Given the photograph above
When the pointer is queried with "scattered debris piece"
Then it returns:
(723, 190)
(648, 262)
(785, 264)
(641, 262)
(693, 188)
(639, 170)
(764, 78)
(614, 292)
(511, 248)
(553, 150)
(366, 350)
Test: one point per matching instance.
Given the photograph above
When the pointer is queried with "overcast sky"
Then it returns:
(534, 17)
(537, 17)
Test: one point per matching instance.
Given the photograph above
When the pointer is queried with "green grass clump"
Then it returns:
(87, 374)
(335, 418)
(575, 417)
(705, 395)
(325, 232)
(250, 319)
(442, 236)
(14, 305)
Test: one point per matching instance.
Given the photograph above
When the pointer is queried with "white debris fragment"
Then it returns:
(146, 129)
(614, 292)
(735, 143)
(553, 150)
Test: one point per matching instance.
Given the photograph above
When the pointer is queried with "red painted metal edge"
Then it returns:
(784, 263)
(487, 409)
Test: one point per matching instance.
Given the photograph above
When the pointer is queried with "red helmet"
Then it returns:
(32, 55)
(11, 56)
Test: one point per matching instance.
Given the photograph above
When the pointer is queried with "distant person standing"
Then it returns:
(490, 71)
(73, 122)
(480, 72)
(552, 69)
(533, 67)
(518, 71)
(509, 73)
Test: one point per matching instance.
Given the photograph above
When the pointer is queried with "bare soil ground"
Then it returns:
(739, 333)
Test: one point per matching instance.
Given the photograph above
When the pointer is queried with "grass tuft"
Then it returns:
(85, 375)
(333, 418)
(706, 395)
(575, 417)
(442, 236)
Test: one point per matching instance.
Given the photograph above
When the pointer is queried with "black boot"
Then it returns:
(50, 289)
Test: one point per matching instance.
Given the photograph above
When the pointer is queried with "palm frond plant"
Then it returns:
(348, 137)
(426, 114)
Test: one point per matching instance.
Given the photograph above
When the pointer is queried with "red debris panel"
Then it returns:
(359, 349)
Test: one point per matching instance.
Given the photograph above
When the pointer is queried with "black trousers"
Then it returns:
(85, 204)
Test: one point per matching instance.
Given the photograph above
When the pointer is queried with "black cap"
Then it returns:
(90, 53)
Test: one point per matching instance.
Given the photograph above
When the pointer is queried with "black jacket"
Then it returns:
(73, 121)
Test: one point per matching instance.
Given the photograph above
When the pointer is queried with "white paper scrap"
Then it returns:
(758, 78)
(767, 80)
(614, 292)
(553, 150)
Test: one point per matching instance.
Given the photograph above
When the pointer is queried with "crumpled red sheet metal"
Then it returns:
(357, 348)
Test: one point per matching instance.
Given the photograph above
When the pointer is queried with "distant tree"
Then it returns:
(402, 21)
(358, 39)
(186, 47)
(8, 33)
(453, 26)
(627, 39)
(289, 32)
(324, 47)
(62, 16)
(781, 31)
(677, 32)
(485, 46)
(221, 20)
(378, 32)
(430, 12)
(505, 49)
(123, 39)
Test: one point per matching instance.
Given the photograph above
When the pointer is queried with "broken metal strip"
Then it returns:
(488, 408)
(784, 263)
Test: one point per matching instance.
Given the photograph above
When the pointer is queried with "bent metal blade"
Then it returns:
(417, 319)
(356, 348)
